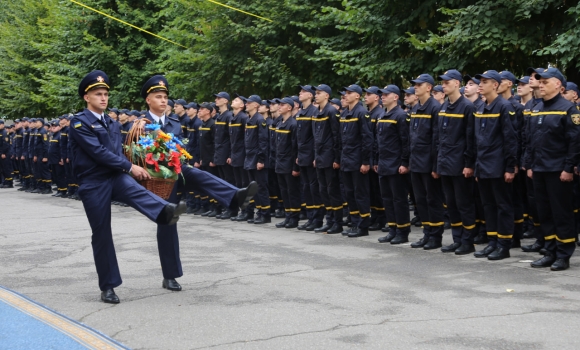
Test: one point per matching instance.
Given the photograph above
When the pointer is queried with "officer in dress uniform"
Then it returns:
(223, 147)
(496, 163)
(356, 141)
(103, 171)
(391, 163)
(326, 129)
(554, 149)
(5, 157)
(238, 149)
(456, 163)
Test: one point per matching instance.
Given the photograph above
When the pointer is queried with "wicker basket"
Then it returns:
(161, 187)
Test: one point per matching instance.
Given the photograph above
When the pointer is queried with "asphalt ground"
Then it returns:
(257, 287)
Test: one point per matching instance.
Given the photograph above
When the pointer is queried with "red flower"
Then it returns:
(161, 157)
(149, 160)
(175, 162)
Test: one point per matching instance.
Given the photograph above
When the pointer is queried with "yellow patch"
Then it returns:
(367, 116)
(576, 119)
(264, 124)
(512, 113)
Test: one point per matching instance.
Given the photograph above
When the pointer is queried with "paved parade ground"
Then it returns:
(258, 287)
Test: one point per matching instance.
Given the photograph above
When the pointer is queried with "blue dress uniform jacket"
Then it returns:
(550, 152)
(326, 130)
(237, 132)
(526, 131)
(41, 144)
(54, 149)
(96, 149)
(206, 141)
(18, 136)
(170, 125)
(423, 130)
(305, 137)
(392, 139)
(5, 148)
(184, 121)
(495, 140)
(222, 138)
(454, 142)
(193, 135)
(286, 146)
(356, 138)
(256, 142)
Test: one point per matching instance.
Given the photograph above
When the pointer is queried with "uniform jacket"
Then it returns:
(25, 141)
(376, 113)
(5, 143)
(495, 140)
(184, 122)
(193, 132)
(454, 142)
(326, 130)
(526, 131)
(222, 138)
(54, 148)
(96, 148)
(237, 134)
(305, 136)
(518, 122)
(356, 138)
(392, 140)
(41, 144)
(63, 144)
(31, 142)
(170, 125)
(422, 133)
(206, 141)
(18, 139)
(257, 142)
(272, 123)
(286, 146)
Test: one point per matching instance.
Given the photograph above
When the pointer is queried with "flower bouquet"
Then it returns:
(161, 154)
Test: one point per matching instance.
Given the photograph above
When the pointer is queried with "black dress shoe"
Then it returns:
(212, 214)
(279, 214)
(348, 231)
(282, 224)
(359, 232)
(226, 214)
(400, 238)
(200, 211)
(389, 237)
(420, 243)
(313, 226)
(171, 284)
(262, 219)
(532, 248)
(465, 249)
(251, 219)
(292, 223)
(484, 252)
(451, 248)
(242, 217)
(170, 213)
(323, 229)
(244, 195)
(109, 296)
(560, 265)
(545, 261)
(481, 238)
(432, 243)
(207, 213)
(375, 227)
(46, 191)
(336, 228)
(304, 225)
(22, 189)
(499, 253)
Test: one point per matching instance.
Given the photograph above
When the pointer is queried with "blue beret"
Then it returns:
(155, 83)
(93, 80)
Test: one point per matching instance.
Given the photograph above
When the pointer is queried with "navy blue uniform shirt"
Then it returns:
(256, 141)
(237, 132)
(356, 138)
(392, 140)
(422, 129)
(286, 146)
(305, 136)
(326, 129)
(222, 138)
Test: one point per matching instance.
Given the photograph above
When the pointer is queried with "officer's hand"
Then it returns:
(296, 160)
(314, 163)
(12, 157)
(295, 173)
(376, 168)
(22, 158)
(467, 172)
(44, 160)
(196, 164)
(211, 164)
(260, 166)
(139, 173)
(508, 177)
(67, 160)
(403, 170)
(34, 159)
(61, 162)
(516, 169)
(3, 156)
(229, 161)
(365, 168)
(335, 165)
(530, 174)
(566, 176)
(435, 175)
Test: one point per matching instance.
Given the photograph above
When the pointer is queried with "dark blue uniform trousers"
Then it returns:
(97, 199)
(200, 181)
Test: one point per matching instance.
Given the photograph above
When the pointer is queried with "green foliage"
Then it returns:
(47, 46)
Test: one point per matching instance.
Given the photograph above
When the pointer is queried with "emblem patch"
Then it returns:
(100, 79)
(78, 125)
(576, 119)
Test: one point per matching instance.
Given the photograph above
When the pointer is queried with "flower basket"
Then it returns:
(160, 153)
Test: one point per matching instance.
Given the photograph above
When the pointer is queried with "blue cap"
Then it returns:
(54, 123)
(254, 98)
(114, 110)
(180, 102)
(336, 101)
(265, 103)
(490, 74)
(342, 92)
(25, 119)
(93, 80)
(295, 99)
(223, 94)
(154, 84)
(288, 101)
(462, 90)
(274, 101)
(438, 88)
(1, 121)
(373, 90)
(533, 70)
(423, 78)
(506, 74)
(17, 120)
(450, 75)
(410, 90)
(192, 105)
(467, 78)
(135, 113)
(572, 86)
(391, 89)
(353, 88)
(207, 106)
(525, 80)
(324, 87)
(242, 98)
(553, 73)
(170, 103)
(308, 88)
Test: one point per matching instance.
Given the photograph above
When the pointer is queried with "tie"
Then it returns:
(104, 121)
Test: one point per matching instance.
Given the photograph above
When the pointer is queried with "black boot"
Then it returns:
(400, 238)
(304, 225)
(560, 265)
(323, 229)
(499, 253)
(386, 239)
(432, 243)
(465, 249)
(336, 228)
(451, 248)
(292, 223)
(282, 224)
(545, 261)
(359, 232)
(420, 243)
(484, 252)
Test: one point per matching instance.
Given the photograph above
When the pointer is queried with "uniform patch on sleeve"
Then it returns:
(77, 125)
(264, 124)
(576, 119)
(45, 138)
(512, 113)
(367, 116)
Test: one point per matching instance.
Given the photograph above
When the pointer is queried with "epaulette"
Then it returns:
(174, 119)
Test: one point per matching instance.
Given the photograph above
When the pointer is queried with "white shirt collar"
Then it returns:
(99, 116)
(157, 118)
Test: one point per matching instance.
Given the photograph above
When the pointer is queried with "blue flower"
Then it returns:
(178, 141)
(145, 141)
(171, 145)
(152, 126)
